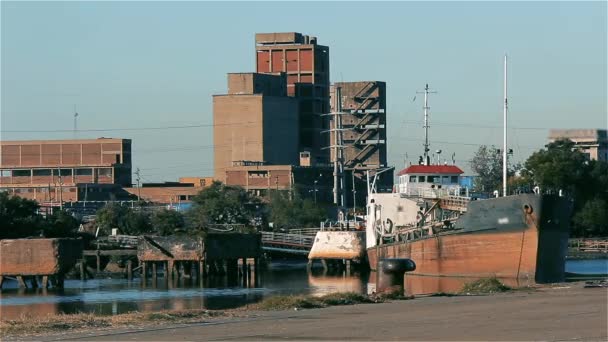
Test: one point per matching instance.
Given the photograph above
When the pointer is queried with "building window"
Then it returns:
(105, 172)
(412, 179)
(454, 179)
(433, 179)
(421, 179)
(84, 172)
(5, 173)
(42, 172)
(65, 172)
(22, 173)
(183, 197)
(258, 174)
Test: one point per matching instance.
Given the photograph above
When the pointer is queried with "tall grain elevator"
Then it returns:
(307, 67)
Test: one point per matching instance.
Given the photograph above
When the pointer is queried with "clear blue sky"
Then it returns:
(155, 64)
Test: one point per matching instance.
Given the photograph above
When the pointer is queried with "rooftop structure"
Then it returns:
(306, 65)
(592, 142)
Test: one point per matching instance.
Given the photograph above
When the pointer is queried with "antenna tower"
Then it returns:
(75, 122)
(426, 122)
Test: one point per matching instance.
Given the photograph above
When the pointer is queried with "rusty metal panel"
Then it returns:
(10, 155)
(263, 61)
(111, 158)
(38, 256)
(306, 78)
(306, 57)
(30, 155)
(91, 154)
(277, 61)
(70, 154)
(236, 178)
(51, 154)
(291, 57)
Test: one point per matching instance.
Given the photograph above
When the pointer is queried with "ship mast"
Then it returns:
(426, 124)
(504, 147)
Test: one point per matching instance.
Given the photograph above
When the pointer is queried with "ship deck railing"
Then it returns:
(589, 245)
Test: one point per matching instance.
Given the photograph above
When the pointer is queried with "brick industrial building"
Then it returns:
(306, 65)
(255, 121)
(271, 128)
(64, 170)
(592, 142)
(87, 170)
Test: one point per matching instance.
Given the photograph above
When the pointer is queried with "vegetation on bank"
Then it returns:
(27, 325)
(484, 286)
(560, 166)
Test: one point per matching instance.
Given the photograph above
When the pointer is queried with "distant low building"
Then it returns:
(592, 142)
(54, 171)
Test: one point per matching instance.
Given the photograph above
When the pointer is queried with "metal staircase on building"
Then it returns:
(365, 126)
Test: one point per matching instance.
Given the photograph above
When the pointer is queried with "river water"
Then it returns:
(113, 296)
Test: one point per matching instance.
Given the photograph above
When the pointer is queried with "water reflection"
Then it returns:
(113, 296)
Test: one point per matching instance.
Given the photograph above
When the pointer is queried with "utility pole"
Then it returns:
(426, 122)
(60, 189)
(354, 192)
(338, 152)
(504, 147)
(138, 185)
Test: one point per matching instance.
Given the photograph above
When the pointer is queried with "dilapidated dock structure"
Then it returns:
(188, 257)
(39, 262)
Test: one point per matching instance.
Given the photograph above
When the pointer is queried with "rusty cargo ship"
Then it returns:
(520, 237)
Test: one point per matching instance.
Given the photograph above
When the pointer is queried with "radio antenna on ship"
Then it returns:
(426, 93)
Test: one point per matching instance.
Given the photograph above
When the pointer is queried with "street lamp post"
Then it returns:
(315, 191)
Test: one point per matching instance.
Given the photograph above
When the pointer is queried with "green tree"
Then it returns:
(291, 211)
(128, 221)
(19, 217)
(222, 204)
(592, 219)
(560, 166)
(61, 224)
(167, 222)
(487, 164)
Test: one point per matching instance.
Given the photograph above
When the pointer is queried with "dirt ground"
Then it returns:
(561, 312)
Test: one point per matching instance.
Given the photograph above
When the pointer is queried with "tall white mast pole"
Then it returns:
(426, 124)
(504, 147)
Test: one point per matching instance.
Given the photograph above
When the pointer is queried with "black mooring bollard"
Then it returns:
(391, 272)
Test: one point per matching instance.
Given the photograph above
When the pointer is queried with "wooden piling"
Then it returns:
(21, 282)
(98, 256)
(83, 271)
(154, 272)
(129, 270)
(45, 282)
(170, 267)
(144, 272)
